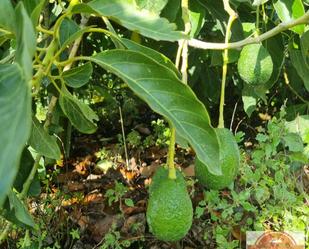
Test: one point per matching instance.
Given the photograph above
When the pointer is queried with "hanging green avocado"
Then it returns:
(229, 162)
(169, 211)
(255, 64)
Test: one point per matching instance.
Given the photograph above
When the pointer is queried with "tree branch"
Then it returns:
(234, 45)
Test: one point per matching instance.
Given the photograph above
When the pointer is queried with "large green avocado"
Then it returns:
(255, 64)
(169, 212)
(229, 161)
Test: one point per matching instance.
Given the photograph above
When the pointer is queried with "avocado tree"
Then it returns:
(248, 46)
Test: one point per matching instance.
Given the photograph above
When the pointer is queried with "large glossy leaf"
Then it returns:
(299, 125)
(15, 125)
(251, 95)
(73, 36)
(66, 30)
(158, 57)
(42, 142)
(301, 67)
(130, 16)
(78, 76)
(36, 11)
(80, 114)
(304, 43)
(7, 16)
(290, 9)
(293, 141)
(154, 7)
(197, 17)
(275, 46)
(26, 165)
(26, 40)
(16, 212)
(171, 9)
(30, 5)
(249, 100)
(166, 94)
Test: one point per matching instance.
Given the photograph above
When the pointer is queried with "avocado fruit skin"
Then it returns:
(229, 162)
(255, 64)
(169, 211)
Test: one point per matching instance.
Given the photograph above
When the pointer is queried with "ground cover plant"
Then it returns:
(152, 124)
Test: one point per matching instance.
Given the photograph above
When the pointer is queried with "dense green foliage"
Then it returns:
(111, 67)
(266, 194)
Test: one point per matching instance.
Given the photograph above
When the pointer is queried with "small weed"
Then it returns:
(112, 240)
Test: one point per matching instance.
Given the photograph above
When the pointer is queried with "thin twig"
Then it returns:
(233, 116)
(124, 138)
(184, 49)
(232, 18)
(77, 42)
(237, 45)
(287, 82)
(112, 30)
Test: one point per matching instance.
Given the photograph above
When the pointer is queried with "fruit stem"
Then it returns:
(232, 18)
(171, 154)
(183, 51)
(257, 22)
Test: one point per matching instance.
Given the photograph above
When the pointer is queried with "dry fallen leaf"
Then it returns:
(189, 171)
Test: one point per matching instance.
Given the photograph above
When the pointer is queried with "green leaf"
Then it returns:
(154, 7)
(259, 2)
(25, 167)
(66, 30)
(300, 66)
(300, 125)
(250, 96)
(274, 46)
(171, 9)
(42, 142)
(248, 28)
(78, 76)
(35, 14)
(34, 8)
(294, 142)
(299, 157)
(15, 125)
(304, 44)
(249, 101)
(26, 164)
(30, 5)
(7, 16)
(166, 94)
(197, 17)
(80, 114)
(73, 36)
(217, 12)
(292, 111)
(26, 41)
(207, 88)
(17, 212)
(183, 143)
(288, 10)
(130, 16)
(158, 57)
(129, 202)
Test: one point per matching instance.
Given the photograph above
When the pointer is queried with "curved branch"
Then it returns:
(234, 45)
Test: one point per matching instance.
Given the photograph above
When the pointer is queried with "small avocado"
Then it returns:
(229, 162)
(169, 212)
(255, 64)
